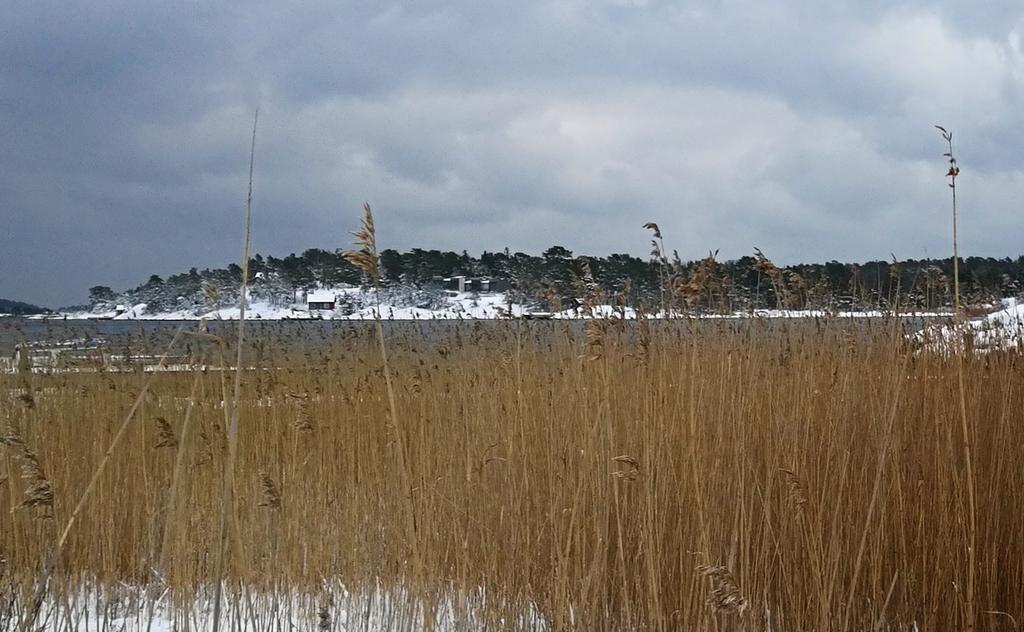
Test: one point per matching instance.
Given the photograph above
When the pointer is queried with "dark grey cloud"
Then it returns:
(802, 128)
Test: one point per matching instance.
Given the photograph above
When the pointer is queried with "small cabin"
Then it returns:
(321, 300)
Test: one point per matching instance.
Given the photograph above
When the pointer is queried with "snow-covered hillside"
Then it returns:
(1002, 329)
(353, 303)
(349, 304)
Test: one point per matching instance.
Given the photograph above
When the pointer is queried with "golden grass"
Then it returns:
(660, 476)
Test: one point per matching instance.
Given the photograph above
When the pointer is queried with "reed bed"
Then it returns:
(532, 475)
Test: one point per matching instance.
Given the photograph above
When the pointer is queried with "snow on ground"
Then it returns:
(1000, 330)
(464, 306)
(361, 304)
(611, 311)
(129, 608)
(257, 310)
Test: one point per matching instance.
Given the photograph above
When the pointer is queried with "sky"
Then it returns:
(801, 128)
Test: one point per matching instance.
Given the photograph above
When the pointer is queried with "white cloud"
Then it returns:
(934, 70)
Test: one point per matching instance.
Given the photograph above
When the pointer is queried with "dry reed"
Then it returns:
(821, 464)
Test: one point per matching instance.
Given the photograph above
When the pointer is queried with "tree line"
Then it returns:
(558, 278)
(18, 308)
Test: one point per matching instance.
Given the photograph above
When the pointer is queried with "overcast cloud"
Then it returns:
(802, 128)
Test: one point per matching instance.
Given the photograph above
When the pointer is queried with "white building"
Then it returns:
(321, 299)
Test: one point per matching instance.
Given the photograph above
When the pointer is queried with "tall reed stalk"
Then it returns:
(966, 433)
(228, 510)
(952, 173)
(367, 260)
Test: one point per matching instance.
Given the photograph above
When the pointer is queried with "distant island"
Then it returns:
(18, 308)
(558, 279)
